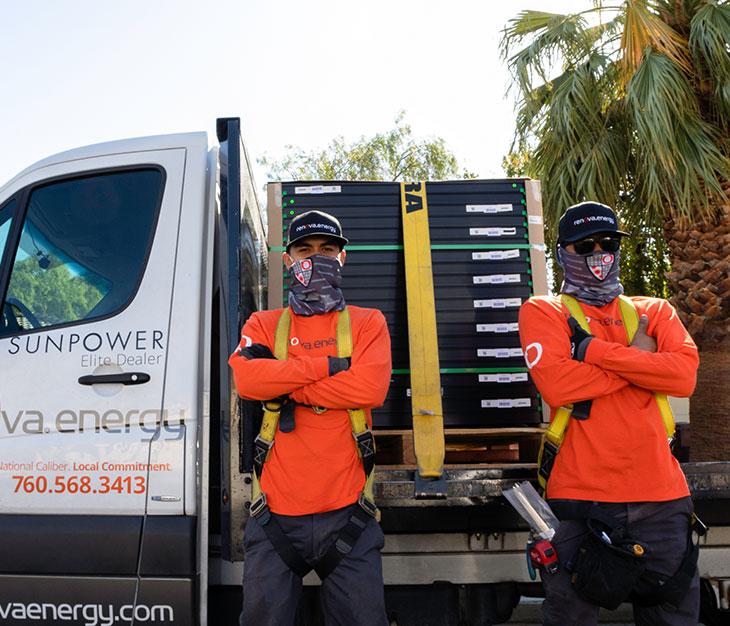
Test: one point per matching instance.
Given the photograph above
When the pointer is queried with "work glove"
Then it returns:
(338, 364)
(257, 351)
(579, 340)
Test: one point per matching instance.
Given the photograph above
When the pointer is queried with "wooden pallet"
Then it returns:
(463, 446)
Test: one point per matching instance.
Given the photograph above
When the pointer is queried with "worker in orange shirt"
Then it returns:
(615, 458)
(314, 510)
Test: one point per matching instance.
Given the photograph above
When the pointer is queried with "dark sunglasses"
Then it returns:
(607, 244)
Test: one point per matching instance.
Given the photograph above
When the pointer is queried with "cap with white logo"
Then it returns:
(587, 218)
(315, 223)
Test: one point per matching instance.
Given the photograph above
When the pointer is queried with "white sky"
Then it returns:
(78, 72)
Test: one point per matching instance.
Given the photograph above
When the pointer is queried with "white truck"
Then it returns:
(127, 271)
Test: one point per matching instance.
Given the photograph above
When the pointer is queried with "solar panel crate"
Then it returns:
(487, 258)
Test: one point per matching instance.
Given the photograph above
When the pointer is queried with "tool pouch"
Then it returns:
(605, 573)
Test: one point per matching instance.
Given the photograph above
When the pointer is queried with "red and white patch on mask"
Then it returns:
(303, 271)
(600, 264)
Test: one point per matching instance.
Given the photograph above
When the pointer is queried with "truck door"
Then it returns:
(91, 454)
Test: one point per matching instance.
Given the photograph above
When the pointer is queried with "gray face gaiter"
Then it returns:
(315, 285)
(591, 278)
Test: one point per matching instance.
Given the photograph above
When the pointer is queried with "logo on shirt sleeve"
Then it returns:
(533, 354)
(244, 343)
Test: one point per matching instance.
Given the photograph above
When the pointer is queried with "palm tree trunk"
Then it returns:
(700, 281)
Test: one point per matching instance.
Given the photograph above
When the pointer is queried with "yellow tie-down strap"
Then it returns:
(428, 420)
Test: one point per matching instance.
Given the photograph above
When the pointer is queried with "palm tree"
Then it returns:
(638, 117)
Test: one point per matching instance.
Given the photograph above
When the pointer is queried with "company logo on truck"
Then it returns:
(86, 614)
(90, 344)
(153, 422)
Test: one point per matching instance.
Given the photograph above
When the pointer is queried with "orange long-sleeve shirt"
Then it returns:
(620, 453)
(315, 468)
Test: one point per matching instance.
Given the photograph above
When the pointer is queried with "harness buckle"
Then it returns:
(260, 510)
(367, 505)
(261, 449)
(547, 459)
(365, 442)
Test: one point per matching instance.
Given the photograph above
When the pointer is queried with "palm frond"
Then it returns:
(580, 155)
(709, 41)
(677, 158)
(644, 29)
(555, 37)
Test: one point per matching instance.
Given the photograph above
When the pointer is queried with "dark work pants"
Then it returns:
(352, 595)
(661, 525)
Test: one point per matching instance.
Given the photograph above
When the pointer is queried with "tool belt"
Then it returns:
(609, 567)
(364, 443)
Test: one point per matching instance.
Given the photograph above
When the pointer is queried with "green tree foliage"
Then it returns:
(395, 155)
(54, 295)
(638, 115)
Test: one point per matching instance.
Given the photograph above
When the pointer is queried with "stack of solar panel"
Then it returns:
(480, 254)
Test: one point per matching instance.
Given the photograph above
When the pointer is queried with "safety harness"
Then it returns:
(555, 434)
(365, 444)
(646, 591)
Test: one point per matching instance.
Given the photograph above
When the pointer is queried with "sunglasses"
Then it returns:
(607, 244)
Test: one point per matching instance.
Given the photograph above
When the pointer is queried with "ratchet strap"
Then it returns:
(555, 434)
(364, 442)
(428, 420)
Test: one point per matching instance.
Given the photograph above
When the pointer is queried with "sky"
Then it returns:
(80, 72)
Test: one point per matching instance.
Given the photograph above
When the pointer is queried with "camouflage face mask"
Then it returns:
(591, 278)
(315, 285)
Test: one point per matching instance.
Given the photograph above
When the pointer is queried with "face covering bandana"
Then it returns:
(315, 286)
(591, 278)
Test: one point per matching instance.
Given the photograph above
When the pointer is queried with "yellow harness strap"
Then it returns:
(555, 434)
(272, 408)
(358, 420)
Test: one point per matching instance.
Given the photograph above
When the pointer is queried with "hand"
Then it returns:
(641, 340)
(257, 351)
(579, 340)
(339, 364)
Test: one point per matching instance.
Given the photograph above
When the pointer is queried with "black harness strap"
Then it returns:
(342, 546)
(346, 538)
(344, 543)
(282, 544)
(671, 591)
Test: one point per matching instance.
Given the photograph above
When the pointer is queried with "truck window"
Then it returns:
(82, 249)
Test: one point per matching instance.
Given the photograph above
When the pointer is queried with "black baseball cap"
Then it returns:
(314, 223)
(587, 218)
